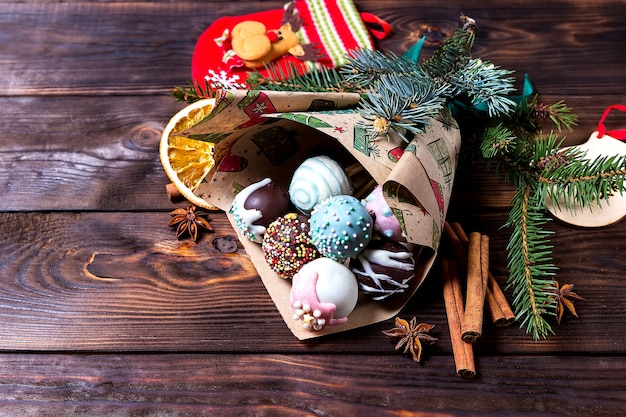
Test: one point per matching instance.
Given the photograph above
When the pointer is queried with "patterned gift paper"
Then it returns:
(262, 134)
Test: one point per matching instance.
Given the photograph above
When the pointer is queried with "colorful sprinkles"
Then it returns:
(341, 227)
(287, 245)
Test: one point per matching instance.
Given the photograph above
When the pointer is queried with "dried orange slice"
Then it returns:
(187, 162)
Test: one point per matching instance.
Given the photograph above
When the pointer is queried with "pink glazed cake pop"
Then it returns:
(385, 222)
(323, 292)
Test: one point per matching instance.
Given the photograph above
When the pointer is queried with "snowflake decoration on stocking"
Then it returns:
(224, 80)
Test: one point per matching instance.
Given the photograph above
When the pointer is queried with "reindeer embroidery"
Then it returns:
(256, 46)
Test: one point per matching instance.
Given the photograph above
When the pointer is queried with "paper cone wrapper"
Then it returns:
(262, 134)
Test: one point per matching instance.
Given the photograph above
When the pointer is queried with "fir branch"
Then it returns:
(193, 92)
(480, 81)
(291, 78)
(365, 67)
(402, 104)
(531, 269)
(530, 116)
(484, 84)
(575, 181)
(511, 152)
(497, 142)
(547, 155)
(525, 119)
(559, 113)
(455, 51)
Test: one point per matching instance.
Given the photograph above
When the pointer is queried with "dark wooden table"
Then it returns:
(104, 312)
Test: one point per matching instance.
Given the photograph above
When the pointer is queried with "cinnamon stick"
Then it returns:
(172, 192)
(484, 259)
(353, 169)
(498, 306)
(475, 290)
(458, 229)
(453, 298)
(458, 242)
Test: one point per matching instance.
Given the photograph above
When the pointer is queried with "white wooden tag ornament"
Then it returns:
(600, 144)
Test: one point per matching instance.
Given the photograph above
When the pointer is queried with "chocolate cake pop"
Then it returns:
(384, 268)
(257, 205)
(287, 245)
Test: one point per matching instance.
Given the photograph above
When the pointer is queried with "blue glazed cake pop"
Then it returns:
(341, 227)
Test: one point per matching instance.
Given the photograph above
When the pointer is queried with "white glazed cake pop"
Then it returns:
(323, 292)
(315, 180)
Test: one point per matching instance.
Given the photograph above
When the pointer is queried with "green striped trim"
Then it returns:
(352, 16)
(334, 46)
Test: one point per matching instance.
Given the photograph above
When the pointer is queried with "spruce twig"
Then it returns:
(291, 78)
(531, 269)
(193, 92)
(577, 182)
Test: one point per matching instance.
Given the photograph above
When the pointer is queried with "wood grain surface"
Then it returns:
(305, 385)
(104, 312)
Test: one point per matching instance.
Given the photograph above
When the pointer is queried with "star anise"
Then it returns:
(411, 336)
(564, 298)
(190, 221)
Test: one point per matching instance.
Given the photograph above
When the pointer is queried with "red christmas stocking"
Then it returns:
(304, 34)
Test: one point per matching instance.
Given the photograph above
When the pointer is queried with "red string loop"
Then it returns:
(378, 27)
(617, 134)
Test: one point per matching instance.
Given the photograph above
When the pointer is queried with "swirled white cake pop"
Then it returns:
(315, 180)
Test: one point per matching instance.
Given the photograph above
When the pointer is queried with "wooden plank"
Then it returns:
(285, 385)
(83, 97)
(147, 46)
(122, 281)
(104, 48)
(105, 150)
(557, 43)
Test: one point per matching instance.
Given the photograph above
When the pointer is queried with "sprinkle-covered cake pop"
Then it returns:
(323, 292)
(384, 268)
(341, 227)
(287, 245)
(385, 222)
(257, 205)
(315, 180)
